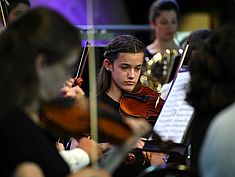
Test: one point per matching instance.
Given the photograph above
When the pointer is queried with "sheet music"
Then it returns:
(176, 114)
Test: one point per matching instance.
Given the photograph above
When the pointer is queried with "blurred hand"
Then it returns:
(158, 158)
(138, 125)
(139, 144)
(28, 169)
(91, 172)
(68, 91)
(60, 146)
(91, 147)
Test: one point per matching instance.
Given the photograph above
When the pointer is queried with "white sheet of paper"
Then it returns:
(176, 114)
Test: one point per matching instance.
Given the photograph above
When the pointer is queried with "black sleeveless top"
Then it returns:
(24, 141)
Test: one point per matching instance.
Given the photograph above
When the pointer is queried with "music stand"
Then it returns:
(175, 118)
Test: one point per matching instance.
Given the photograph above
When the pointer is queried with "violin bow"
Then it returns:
(179, 66)
(78, 78)
(92, 79)
(6, 3)
(83, 60)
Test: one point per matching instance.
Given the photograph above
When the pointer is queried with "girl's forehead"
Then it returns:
(168, 13)
(130, 58)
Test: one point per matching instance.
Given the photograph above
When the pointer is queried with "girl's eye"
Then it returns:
(163, 22)
(174, 22)
(124, 66)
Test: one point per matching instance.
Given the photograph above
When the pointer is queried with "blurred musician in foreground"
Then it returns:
(211, 88)
(79, 156)
(32, 72)
(164, 18)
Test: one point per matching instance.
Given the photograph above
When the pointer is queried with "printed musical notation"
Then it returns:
(176, 114)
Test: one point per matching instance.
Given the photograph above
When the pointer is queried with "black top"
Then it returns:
(104, 98)
(134, 168)
(24, 141)
(200, 125)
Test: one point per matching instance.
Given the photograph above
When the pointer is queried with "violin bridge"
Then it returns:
(156, 103)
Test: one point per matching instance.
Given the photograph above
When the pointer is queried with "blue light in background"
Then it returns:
(105, 11)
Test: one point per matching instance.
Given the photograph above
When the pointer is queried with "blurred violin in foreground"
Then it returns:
(72, 118)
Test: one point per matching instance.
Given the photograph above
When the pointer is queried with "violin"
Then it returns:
(72, 118)
(145, 102)
(142, 102)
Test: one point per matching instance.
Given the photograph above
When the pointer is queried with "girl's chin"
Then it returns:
(128, 88)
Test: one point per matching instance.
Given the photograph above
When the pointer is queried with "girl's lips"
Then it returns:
(129, 83)
(169, 33)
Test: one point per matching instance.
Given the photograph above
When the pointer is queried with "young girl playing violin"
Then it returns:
(73, 91)
(120, 72)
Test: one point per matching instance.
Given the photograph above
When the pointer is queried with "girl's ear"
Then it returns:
(107, 64)
(152, 24)
(39, 63)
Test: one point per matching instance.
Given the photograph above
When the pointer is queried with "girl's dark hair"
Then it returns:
(39, 31)
(119, 44)
(163, 5)
(212, 85)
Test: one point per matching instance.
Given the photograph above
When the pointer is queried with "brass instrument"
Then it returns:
(157, 70)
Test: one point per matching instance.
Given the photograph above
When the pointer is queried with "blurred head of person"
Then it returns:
(164, 17)
(196, 40)
(37, 53)
(212, 85)
(16, 9)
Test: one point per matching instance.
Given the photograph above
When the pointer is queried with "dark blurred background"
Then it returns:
(138, 11)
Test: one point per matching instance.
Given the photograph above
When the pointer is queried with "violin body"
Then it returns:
(72, 118)
(143, 103)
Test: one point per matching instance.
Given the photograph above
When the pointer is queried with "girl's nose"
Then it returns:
(131, 74)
